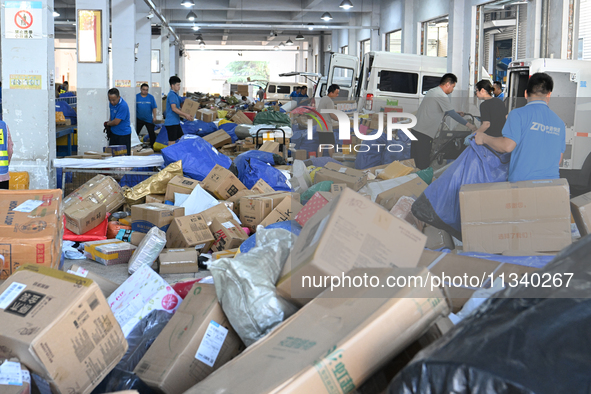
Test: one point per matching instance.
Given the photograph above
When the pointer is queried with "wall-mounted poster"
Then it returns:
(90, 36)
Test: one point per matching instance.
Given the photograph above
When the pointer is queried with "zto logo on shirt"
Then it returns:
(548, 129)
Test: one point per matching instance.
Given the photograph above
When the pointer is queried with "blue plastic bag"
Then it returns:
(229, 128)
(197, 155)
(386, 153)
(198, 127)
(290, 225)
(68, 111)
(254, 165)
(477, 164)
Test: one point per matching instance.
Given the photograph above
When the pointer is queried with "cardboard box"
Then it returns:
(228, 235)
(350, 232)
(97, 155)
(186, 351)
(189, 231)
(140, 294)
(220, 211)
(136, 237)
(270, 146)
(146, 216)
(155, 198)
(109, 251)
(81, 218)
(178, 261)
(72, 338)
(300, 154)
(141, 151)
(224, 254)
(394, 170)
(454, 265)
(315, 204)
(115, 150)
(286, 210)
(107, 287)
(190, 107)
(258, 106)
(437, 239)
(100, 190)
(581, 211)
(179, 184)
(240, 118)
(335, 342)
(254, 209)
(412, 188)
(262, 187)
(526, 216)
(222, 183)
(402, 209)
(218, 138)
(354, 179)
(337, 188)
(31, 229)
(235, 199)
(207, 115)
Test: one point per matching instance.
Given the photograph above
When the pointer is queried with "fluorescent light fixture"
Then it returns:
(56, 14)
(326, 16)
(289, 41)
(310, 26)
(191, 16)
(195, 27)
(187, 3)
(299, 37)
(346, 4)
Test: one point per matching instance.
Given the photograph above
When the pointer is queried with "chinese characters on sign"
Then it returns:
(21, 81)
(23, 19)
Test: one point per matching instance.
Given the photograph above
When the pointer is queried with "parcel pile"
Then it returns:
(297, 294)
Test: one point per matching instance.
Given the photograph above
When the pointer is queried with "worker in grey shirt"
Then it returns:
(326, 137)
(434, 106)
(261, 93)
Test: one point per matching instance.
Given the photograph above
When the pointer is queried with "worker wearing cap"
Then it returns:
(119, 124)
(6, 147)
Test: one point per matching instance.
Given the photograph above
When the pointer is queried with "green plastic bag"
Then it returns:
(426, 175)
(323, 186)
(272, 117)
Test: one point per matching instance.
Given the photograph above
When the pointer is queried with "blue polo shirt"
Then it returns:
(120, 111)
(540, 137)
(144, 107)
(172, 118)
(294, 94)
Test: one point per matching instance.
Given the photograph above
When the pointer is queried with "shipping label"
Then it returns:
(212, 343)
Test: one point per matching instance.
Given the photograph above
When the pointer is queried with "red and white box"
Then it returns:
(316, 203)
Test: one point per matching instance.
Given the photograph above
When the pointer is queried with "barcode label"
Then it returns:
(79, 272)
(28, 206)
(343, 169)
(199, 246)
(212, 343)
(10, 294)
(228, 225)
(26, 376)
(10, 374)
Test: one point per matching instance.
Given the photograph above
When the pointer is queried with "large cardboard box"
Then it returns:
(31, 229)
(581, 211)
(222, 183)
(529, 216)
(197, 341)
(109, 251)
(235, 199)
(141, 151)
(314, 204)
(450, 265)
(207, 115)
(178, 261)
(60, 326)
(254, 209)
(142, 293)
(354, 179)
(179, 184)
(228, 235)
(136, 237)
(189, 231)
(146, 216)
(335, 342)
(270, 146)
(106, 286)
(240, 118)
(100, 190)
(157, 198)
(262, 187)
(220, 212)
(300, 154)
(286, 210)
(218, 138)
(190, 107)
(115, 150)
(84, 216)
(412, 188)
(350, 232)
(337, 188)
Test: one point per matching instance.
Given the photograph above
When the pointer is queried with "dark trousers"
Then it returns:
(4, 185)
(115, 139)
(420, 150)
(149, 126)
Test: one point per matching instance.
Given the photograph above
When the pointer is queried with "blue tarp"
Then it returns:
(197, 155)
(254, 165)
(198, 127)
(230, 129)
(290, 225)
(382, 151)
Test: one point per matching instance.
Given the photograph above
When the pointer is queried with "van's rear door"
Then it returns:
(343, 68)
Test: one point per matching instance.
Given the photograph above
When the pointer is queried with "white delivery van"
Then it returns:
(386, 79)
(571, 100)
(280, 91)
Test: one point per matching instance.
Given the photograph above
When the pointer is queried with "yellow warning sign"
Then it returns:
(21, 81)
(122, 83)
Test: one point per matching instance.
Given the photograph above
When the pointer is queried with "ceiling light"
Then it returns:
(346, 4)
(56, 14)
(281, 44)
(191, 16)
(310, 26)
(202, 44)
(299, 37)
(195, 27)
(326, 16)
(289, 41)
(188, 3)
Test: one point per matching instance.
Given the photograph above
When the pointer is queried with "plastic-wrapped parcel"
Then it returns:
(148, 250)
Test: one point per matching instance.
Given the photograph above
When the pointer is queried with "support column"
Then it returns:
(28, 90)
(375, 43)
(157, 82)
(93, 102)
(123, 42)
(353, 43)
(143, 37)
(408, 27)
(165, 70)
(457, 56)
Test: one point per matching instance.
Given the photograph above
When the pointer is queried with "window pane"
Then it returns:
(398, 82)
(271, 89)
(429, 83)
(394, 42)
(435, 36)
(283, 89)
(343, 76)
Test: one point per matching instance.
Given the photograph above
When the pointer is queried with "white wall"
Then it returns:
(391, 16)
(66, 62)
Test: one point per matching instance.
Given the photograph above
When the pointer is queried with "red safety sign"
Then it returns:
(23, 19)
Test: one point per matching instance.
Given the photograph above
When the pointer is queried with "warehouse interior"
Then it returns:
(283, 196)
